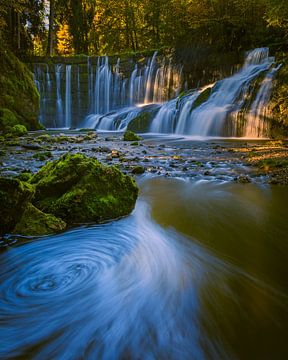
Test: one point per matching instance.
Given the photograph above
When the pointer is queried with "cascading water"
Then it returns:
(109, 88)
(116, 94)
(68, 97)
(219, 114)
(256, 125)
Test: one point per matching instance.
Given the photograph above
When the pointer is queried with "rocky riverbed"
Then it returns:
(259, 161)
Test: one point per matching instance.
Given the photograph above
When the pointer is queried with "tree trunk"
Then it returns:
(49, 51)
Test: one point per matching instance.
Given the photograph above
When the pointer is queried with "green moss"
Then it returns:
(131, 136)
(203, 97)
(36, 223)
(7, 120)
(79, 190)
(141, 122)
(137, 170)
(15, 195)
(18, 91)
(25, 176)
(17, 130)
(43, 155)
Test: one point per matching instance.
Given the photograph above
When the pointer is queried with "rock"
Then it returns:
(14, 197)
(134, 143)
(78, 189)
(18, 130)
(243, 179)
(43, 155)
(7, 120)
(131, 136)
(18, 90)
(32, 146)
(138, 170)
(36, 223)
(91, 135)
(115, 154)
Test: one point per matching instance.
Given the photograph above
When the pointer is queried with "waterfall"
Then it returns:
(59, 105)
(110, 96)
(150, 70)
(256, 125)
(164, 120)
(68, 97)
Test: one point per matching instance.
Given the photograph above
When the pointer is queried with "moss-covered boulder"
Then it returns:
(131, 136)
(7, 120)
(79, 189)
(18, 92)
(36, 223)
(17, 130)
(14, 197)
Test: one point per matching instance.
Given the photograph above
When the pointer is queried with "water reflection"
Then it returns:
(205, 280)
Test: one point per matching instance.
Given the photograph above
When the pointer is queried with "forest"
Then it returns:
(105, 27)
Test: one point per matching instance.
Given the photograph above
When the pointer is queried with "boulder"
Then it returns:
(36, 223)
(14, 197)
(79, 189)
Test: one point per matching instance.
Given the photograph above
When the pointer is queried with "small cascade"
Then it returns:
(68, 97)
(164, 121)
(228, 97)
(59, 104)
(256, 125)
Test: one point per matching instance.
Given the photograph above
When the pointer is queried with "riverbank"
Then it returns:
(242, 160)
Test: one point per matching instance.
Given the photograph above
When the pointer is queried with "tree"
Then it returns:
(51, 28)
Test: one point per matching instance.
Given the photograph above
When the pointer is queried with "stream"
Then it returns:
(197, 271)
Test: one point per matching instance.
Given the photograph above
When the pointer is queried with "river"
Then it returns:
(197, 271)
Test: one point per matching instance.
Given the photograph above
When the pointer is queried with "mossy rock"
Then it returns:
(203, 97)
(7, 120)
(143, 121)
(78, 189)
(36, 223)
(18, 91)
(131, 136)
(14, 197)
(138, 170)
(17, 130)
(43, 155)
(24, 176)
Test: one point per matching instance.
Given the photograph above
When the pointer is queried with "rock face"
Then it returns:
(78, 189)
(18, 92)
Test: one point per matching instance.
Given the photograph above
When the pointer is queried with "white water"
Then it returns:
(115, 96)
(219, 114)
(68, 97)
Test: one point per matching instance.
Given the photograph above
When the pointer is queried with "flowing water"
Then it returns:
(198, 271)
(236, 107)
